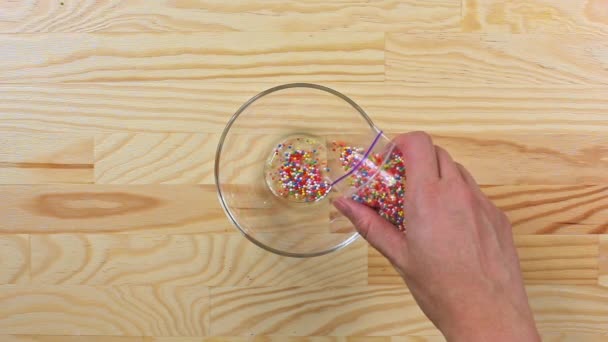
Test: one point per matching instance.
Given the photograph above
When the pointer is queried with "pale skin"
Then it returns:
(458, 257)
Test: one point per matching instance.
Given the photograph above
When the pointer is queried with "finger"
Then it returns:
(420, 157)
(380, 233)
(447, 167)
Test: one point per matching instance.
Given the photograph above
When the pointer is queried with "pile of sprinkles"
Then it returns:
(296, 171)
(382, 190)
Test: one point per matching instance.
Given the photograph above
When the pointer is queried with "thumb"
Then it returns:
(380, 233)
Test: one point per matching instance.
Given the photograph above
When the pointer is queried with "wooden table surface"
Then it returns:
(110, 112)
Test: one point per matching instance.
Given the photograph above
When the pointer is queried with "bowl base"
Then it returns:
(297, 170)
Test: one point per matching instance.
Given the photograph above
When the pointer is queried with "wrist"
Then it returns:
(495, 329)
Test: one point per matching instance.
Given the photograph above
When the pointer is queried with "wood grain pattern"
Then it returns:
(133, 95)
(571, 259)
(340, 311)
(185, 260)
(205, 107)
(536, 209)
(45, 158)
(180, 158)
(119, 57)
(38, 338)
(383, 310)
(550, 158)
(567, 209)
(173, 209)
(569, 308)
(547, 337)
(603, 261)
(524, 59)
(525, 16)
(241, 15)
(64, 338)
(95, 209)
(116, 310)
(282, 338)
(523, 158)
(15, 259)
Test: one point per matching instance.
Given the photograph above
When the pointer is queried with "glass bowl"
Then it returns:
(248, 167)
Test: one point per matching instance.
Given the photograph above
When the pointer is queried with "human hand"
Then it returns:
(457, 257)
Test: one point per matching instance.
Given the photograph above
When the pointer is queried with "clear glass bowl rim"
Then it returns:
(218, 154)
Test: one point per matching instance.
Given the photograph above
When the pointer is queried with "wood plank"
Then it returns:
(476, 59)
(50, 338)
(45, 158)
(521, 158)
(567, 209)
(571, 259)
(569, 308)
(175, 209)
(548, 337)
(206, 106)
(119, 57)
(95, 209)
(556, 337)
(603, 261)
(181, 158)
(39, 338)
(282, 338)
(525, 16)
(275, 338)
(492, 157)
(542, 209)
(186, 260)
(178, 158)
(339, 311)
(116, 310)
(15, 259)
(383, 310)
(251, 15)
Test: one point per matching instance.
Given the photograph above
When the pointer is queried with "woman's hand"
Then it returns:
(457, 257)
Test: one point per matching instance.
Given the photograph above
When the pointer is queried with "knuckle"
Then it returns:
(421, 138)
(421, 135)
(412, 139)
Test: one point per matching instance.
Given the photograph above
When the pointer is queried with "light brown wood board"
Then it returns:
(111, 111)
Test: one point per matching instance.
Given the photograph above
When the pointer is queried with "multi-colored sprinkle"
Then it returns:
(380, 185)
(297, 172)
